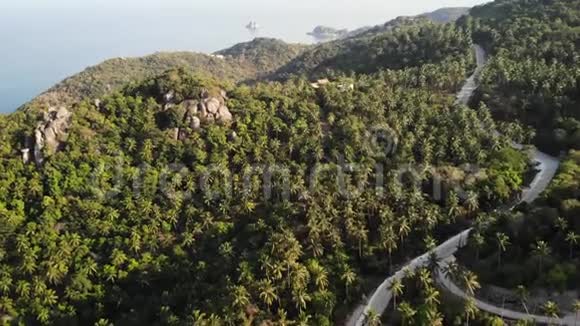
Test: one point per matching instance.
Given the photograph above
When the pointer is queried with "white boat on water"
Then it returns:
(253, 26)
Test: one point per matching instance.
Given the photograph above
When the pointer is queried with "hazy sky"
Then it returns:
(44, 41)
(378, 9)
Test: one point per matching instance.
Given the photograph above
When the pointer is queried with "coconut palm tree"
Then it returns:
(389, 242)
(502, 241)
(348, 277)
(561, 224)
(283, 318)
(451, 270)
(396, 289)
(241, 297)
(301, 299)
(404, 229)
(471, 282)
(407, 313)
(551, 309)
(573, 239)
(373, 318)
(522, 293)
(541, 250)
(576, 308)
(268, 293)
(430, 242)
(431, 296)
(434, 317)
(478, 242)
(470, 310)
(472, 201)
(304, 320)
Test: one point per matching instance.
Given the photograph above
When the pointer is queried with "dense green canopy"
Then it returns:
(310, 195)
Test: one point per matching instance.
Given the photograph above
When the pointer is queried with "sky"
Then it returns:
(44, 41)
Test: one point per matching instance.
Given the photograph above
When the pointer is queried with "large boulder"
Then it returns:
(193, 113)
(214, 109)
(206, 109)
(51, 132)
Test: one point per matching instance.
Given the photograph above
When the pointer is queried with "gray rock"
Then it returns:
(195, 123)
(168, 97)
(190, 107)
(25, 155)
(51, 132)
(210, 109)
(202, 109)
(213, 105)
(224, 114)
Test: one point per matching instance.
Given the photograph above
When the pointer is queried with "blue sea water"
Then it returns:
(42, 42)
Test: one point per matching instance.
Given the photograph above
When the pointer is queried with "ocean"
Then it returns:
(42, 44)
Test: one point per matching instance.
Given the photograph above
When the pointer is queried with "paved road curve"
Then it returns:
(547, 166)
(444, 280)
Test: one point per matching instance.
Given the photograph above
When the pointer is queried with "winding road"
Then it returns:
(547, 167)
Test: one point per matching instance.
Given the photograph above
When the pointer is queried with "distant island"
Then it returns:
(323, 33)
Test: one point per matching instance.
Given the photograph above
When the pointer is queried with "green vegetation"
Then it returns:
(534, 73)
(408, 43)
(244, 61)
(290, 212)
(446, 15)
(112, 229)
(262, 55)
(542, 240)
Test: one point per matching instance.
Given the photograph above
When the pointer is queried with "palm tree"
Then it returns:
(268, 293)
(573, 239)
(472, 201)
(470, 310)
(300, 298)
(502, 241)
(434, 317)
(551, 309)
(407, 313)
(373, 318)
(396, 288)
(425, 280)
(389, 240)
(361, 234)
(576, 308)
(451, 270)
(348, 277)
(541, 250)
(471, 283)
(433, 263)
(561, 224)
(478, 242)
(452, 204)
(430, 242)
(522, 293)
(283, 318)
(320, 275)
(404, 229)
(431, 296)
(496, 321)
(241, 296)
(304, 320)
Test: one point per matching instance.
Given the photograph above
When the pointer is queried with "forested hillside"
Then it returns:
(131, 224)
(155, 195)
(243, 61)
(534, 73)
(263, 54)
(408, 42)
